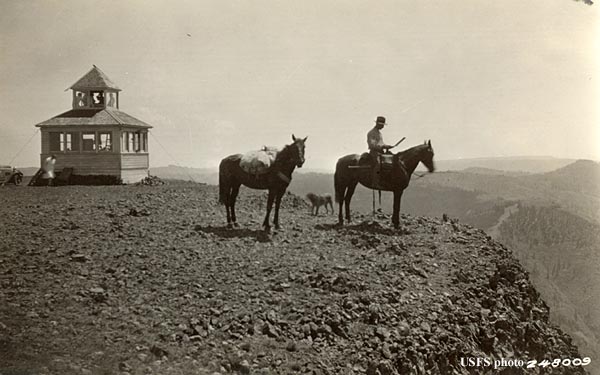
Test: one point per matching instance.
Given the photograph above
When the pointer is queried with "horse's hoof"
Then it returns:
(229, 226)
(236, 225)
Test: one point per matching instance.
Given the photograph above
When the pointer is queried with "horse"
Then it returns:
(354, 168)
(276, 180)
(317, 201)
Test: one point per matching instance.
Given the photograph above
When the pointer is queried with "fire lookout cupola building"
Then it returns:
(95, 137)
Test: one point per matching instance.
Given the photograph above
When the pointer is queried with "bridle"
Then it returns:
(403, 166)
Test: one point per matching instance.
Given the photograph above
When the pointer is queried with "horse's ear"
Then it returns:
(305, 138)
(429, 143)
(293, 138)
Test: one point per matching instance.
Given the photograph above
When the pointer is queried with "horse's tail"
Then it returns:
(223, 183)
(337, 183)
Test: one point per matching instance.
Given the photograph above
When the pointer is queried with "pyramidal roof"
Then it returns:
(94, 79)
(92, 117)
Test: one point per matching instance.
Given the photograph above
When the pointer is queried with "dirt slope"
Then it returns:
(145, 280)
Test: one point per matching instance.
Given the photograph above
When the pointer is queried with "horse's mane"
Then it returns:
(281, 155)
(411, 150)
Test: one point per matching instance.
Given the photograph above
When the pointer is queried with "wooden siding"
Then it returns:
(135, 161)
(130, 166)
(45, 143)
(131, 176)
(87, 163)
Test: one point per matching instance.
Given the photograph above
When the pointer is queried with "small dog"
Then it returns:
(319, 200)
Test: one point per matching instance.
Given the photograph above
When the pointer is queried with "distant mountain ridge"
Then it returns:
(527, 164)
(530, 164)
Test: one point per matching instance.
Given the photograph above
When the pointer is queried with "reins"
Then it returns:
(406, 169)
(401, 162)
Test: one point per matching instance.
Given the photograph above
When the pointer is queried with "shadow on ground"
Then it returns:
(224, 232)
(364, 226)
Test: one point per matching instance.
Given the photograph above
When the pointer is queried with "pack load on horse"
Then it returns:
(258, 162)
(379, 169)
(268, 170)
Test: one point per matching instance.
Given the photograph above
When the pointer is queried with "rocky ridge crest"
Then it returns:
(146, 279)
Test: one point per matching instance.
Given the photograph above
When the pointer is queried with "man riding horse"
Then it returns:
(379, 169)
(377, 147)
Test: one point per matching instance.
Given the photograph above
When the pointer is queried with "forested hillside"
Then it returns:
(561, 252)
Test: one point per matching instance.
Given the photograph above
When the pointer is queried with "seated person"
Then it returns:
(377, 146)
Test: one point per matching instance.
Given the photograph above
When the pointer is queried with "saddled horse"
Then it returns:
(276, 180)
(352, 169)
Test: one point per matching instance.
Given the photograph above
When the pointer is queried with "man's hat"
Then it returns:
(381, 120)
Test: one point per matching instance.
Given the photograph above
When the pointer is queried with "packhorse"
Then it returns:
(275, 180)
(395, 176)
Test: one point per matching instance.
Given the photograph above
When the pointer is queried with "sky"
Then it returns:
(214, 78)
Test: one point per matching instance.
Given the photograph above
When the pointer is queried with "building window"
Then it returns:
(97, 98)
(112, 99)
(65, 142)
(124, 143)
(145, 141)
(130, 140)
(55, 141)
(79, 99)
(105, 142)
(72, 142)
(69, 142)
(88, 141)
(136, 141)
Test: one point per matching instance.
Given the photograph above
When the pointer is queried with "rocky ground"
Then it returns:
(147, 280)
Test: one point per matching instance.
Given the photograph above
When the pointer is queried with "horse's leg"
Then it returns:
(227, 203)
(341, 198)
(396, 214)
(348, 198)
(269, 206)
(317, 213)
(277, 204)
(235, 190)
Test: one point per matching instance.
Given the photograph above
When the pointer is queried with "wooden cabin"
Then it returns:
(95, 137)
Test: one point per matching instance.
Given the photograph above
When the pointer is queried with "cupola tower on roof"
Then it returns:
(95, 90)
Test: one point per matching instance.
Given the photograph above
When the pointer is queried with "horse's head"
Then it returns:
(297, 150)
(427, 156)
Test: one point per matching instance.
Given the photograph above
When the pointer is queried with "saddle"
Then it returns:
(260, 161)
(383, 161)
(380, 167)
